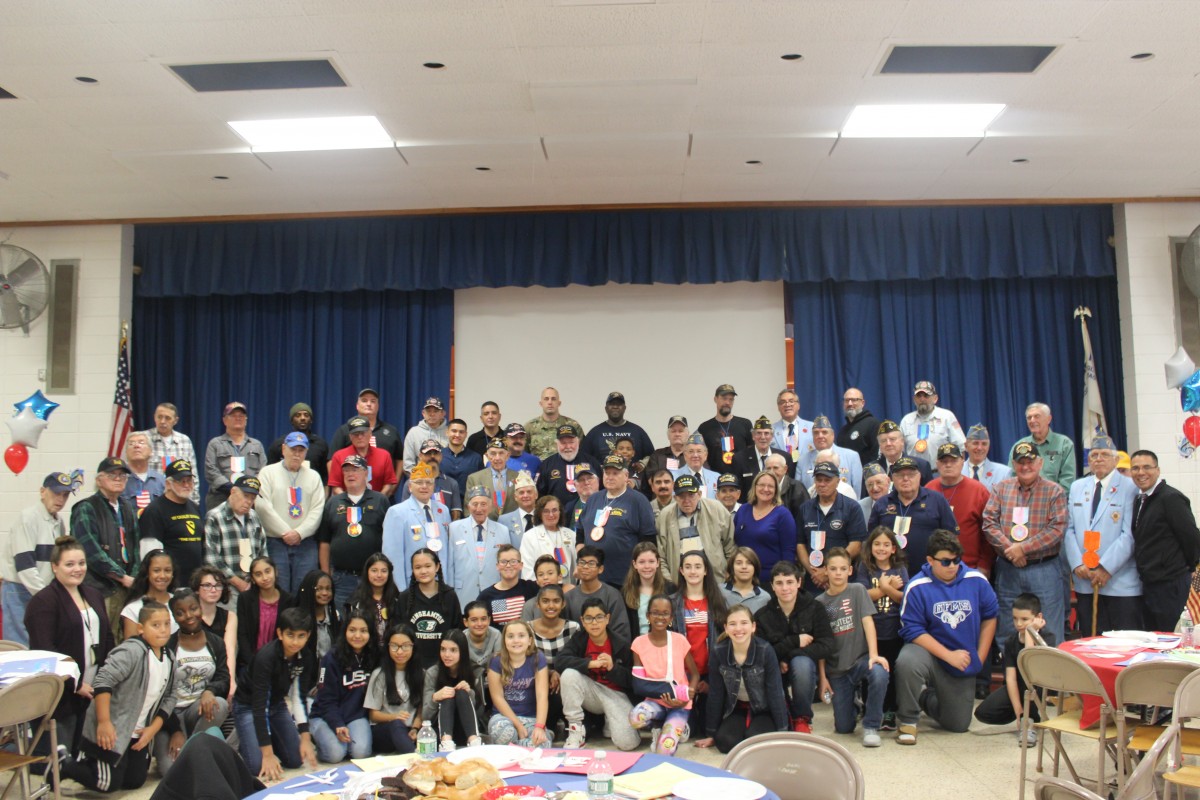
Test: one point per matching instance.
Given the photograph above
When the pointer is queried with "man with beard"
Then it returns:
(173, 520)
(515, 438)
(978, 466)
(602, 439)
(858, 434)
(383, 435)
(558, 471)
(301, 418)
(458, 460)
(671, 456)
(543, 429)
(752, 460)
(929, 427)
(849, 464)
(891, 449)
(793, 434)
(725, 434)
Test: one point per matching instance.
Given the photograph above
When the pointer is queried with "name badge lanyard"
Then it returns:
(121, 534)
(237, 464)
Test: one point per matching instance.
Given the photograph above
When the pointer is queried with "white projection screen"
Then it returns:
(665, 347)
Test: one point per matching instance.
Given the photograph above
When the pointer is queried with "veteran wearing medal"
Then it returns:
(231, 455)
(1024, 521)
(233, 534)
(446, 488)
(420, 521)
(1056, 452)
(381, 473)
(911, 511)
(829, 519)
(695, 457)
(724, 434)
(520, 519)
(692, 523)
(558, 470)
(1098, 544)
(671, 456)
(497, 478)
(793, 434)
(849, 464)
(977, 466)
(858, 434)
(614, 520)
(929, 427)
(891, 450)
(750, 461)
(351, 530)
(474, 542)
(290, 503)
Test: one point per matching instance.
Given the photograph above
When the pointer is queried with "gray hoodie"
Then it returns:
(125, 676)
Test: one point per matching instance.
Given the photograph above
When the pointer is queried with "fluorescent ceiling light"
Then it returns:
(925, 121)
(320, 133)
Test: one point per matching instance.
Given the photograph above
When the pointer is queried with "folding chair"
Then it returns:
(784, 761)
(1049, 669)
(1150, 683)
(25, 702)
(1187, 706)
(7, 647)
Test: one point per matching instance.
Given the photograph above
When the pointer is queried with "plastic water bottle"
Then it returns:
(600, 777)
(1187, 629)
(426, 741)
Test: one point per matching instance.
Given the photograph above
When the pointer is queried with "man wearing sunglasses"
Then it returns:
(948, 621)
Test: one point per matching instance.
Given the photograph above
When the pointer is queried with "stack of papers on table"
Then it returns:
(17, 669)
(655, 782)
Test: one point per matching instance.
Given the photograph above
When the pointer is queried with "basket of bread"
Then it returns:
(438, 779)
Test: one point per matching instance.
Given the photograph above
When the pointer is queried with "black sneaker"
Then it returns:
(889, 721)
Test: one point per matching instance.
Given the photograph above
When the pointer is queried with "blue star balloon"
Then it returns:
(38, 403)
(1189, 393)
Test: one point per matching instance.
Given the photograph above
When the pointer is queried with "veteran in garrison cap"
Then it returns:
(497, 477)
(849, 464)
(978, 466)
(749, 461)
(695, 460)
(891, 449)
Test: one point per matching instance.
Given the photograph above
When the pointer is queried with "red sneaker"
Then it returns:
(801, 725)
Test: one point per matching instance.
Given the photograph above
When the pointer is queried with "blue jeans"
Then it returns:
(285, 737)
(292, 563)
(844, 685)
(1044, 580)
(15, 597)
(392, 737)
(802, 678)
(344, 584)
(332, 750)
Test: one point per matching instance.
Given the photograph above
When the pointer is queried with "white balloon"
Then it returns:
(1179, 368)
(26, 427)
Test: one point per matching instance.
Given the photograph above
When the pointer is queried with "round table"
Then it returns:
(547, 780)
(1107, 663)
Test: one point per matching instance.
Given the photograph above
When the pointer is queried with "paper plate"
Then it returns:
(1146, 637)
(1114, 643)
(500, 756)
(719, 789)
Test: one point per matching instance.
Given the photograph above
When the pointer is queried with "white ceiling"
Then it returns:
(584, 102)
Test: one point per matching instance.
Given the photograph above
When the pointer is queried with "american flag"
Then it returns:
(508, 609)
(122, 407)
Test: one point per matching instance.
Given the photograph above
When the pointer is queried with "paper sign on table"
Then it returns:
(376, 763)
(655, 782)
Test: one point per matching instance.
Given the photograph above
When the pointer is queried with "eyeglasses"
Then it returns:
(117, 476)
(211, 586)
(949, 562)
(588, 563)
(400, 648)
(509, 562)
(591, 620)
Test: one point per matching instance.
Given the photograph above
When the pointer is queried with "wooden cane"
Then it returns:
(1095, 606)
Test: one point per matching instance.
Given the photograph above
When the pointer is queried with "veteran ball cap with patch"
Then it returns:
(235, 406)
(434, 402)
(887, 426)
(514, 429)
(615, 398)
(248, 485)
(686, 484)
(1025, 450)
(582, 467)
(822, 423)
(369, 390)
(478, 491)
(497, 444)
(57, 482)
(354, 462)
(296, 439)
(905, 462)
(829, 470)
(567, 431)
(762, 424)
(358, 424)
(924, 387)
(613, 461)
(978, 433)
(949, 450)
(677, 419)
(179, 468)
(729, 479)
(114, 464)
(725, 388)
(431, 446)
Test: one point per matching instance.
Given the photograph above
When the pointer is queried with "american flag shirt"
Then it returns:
(506, 604)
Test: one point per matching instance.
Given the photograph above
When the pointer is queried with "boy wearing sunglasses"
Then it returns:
(948, 621)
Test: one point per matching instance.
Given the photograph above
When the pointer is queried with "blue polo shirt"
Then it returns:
(843, 524)
(928, 512)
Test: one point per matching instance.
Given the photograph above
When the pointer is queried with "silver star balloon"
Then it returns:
(26, 427)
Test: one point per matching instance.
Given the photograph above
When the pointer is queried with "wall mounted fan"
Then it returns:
(24, 287)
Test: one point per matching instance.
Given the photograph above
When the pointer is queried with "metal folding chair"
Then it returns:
(31, 701)
(784, 761)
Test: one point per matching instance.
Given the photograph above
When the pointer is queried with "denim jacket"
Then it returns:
(764, 683)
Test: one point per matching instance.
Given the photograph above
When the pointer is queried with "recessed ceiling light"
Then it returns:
(1020, 161)
(753, 161)
(319, 133)
(484, 169)
(792, 57)
(434, 65)
(220, 177)
(85, 79)
(1142, 56)
(931, 121)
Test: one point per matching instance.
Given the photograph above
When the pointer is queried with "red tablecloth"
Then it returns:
(1093, 653)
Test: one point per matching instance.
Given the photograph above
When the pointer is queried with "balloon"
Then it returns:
(26, 427)
(1178, 367)
(16, 457)
(1189, 393)
(1191, 429)
(38, 404)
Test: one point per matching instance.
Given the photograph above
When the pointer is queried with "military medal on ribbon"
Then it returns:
(922, 438)
(295, 509)
(353, 520)
(1020, 526)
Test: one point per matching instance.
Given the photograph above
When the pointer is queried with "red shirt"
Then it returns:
(379, 467)
(967, 499)
(593, 652)
(695, 618)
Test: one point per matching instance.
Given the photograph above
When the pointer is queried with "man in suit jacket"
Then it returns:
(1103, 503)
(891, 449)
(497, 478)
(750, 461)
(521, 518)
(1166, 544)
(474, 542)
(849, 464)
(422, 520)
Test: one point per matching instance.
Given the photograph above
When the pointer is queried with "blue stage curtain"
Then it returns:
(990, 348)
(592, 248)
(270, 351)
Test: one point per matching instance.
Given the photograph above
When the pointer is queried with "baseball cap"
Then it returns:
(358, 424)
(179, 468)
(369, 390)
(725, 388)
(905, 462)
(567, 431)
(827, 469)
(234, 406)
(113, 464)
(514, 429)
(434, 402)
(728, 479)
(431, 446)
(583, 467)
(924, 386)
(296, 439)
(615, 397)
(612, 462)
(686, 484)
(678, 419)
(949, 450)
(248, 485)
(57, 482)
(354, 461)
(1024, 450)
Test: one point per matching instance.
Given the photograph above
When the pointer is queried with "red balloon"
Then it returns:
(1191, 429)
(16, 457)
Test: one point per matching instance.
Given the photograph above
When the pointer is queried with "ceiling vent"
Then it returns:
(257, 76)
(964, 60)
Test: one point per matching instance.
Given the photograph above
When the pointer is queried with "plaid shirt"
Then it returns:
(1047, 504)
(552, 647)
(177, 447)
(221, 536)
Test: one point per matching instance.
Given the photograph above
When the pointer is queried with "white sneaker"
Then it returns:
(1027, 738)
(447, 745)
(576, 736)
(871, 738)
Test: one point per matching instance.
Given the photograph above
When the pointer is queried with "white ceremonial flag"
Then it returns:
(1092, 422)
